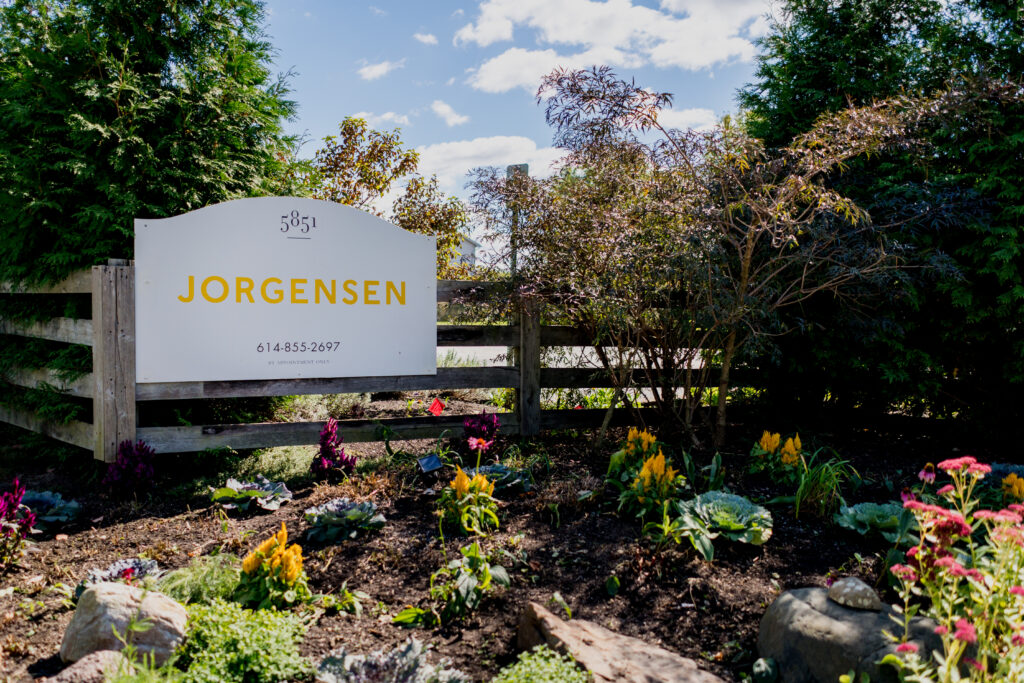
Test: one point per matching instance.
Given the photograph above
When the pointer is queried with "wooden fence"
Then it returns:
(115, 393)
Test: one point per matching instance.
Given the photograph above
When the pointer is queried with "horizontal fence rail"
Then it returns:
(115, 393)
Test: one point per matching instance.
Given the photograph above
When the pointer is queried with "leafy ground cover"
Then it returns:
(563, 542)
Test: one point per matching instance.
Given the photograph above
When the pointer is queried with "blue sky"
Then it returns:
(459, 78)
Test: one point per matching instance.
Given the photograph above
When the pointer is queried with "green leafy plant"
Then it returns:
(626, 462)
(891, 520)
(344, 600)
(342, 518)
(716, 513)
(542, 665)
(229, 643)
(406, 663)
(457, 589)
(50, 509)
(238, 495)
(469, 502)
(821, 484)
(655, 483)
(711, 477)
(272, 575)
(203, 580)
(965, 573)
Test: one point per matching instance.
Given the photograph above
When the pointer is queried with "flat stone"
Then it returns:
(852, 592)
(107, 607)
(607, 655)
(811, 638)
(94, 668)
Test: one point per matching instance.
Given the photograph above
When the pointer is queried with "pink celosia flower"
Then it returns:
(906, 647)
(965, 631)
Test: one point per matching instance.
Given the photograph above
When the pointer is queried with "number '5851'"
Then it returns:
(300, 223)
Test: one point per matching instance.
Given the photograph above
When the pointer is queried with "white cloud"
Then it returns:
(372, 72)
(426, 38)
(687, 34)
(449, 115)
(450, 81)
(698, 119)
(388, 118)
(451, 161)
(378, 11)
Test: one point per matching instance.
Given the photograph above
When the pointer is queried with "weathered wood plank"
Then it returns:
(446, 378)
(75, 433)
(477, 335)
(563, 335)
(81, 387)
(113, 358)
(79, 282)
(528, 395)
(69, 330)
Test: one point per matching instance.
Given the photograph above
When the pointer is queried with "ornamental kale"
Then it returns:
(132, 471)
(123, 571)
(342, 518)
(406, 663)
(716, 513)
(16, 522)
(332, 462)
(891, 520)
(483, 426)
(50, 508)
(268, 495)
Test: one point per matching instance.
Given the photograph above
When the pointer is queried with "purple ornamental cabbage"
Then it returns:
(331, 460)
(483, 426)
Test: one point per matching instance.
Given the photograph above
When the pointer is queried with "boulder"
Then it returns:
(93, 668)
(852, 592)
(107, 607)
(607, 655)
(812, 638)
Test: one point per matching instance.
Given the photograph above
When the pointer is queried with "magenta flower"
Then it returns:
(957, 464)
(927, 474)
(478, 444)
(948, 488)
(965, 631)
(907, 495)
(906, 647)
(1017, 590)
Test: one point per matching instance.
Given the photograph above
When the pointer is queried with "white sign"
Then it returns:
(280, 288)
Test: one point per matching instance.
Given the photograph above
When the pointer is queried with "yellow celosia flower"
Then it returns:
(460, 483)
(638, 442)
(291, 564)
(796, 442)
(265, 551)
(1013, 486)
(791, 451)
(480, 484)
(655, 476)
(770, 442)
(463, 484)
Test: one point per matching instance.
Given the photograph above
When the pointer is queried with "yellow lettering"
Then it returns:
(400, 298)
(278, 293)
(296, 291)
(191, 290)
(331, 295)
(347, 285)
(243, 285)
(369, 291)
(206, 293)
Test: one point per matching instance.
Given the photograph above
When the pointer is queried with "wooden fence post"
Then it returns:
(113, 357)
(528, 404)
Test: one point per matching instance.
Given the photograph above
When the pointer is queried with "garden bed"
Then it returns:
(705, 611)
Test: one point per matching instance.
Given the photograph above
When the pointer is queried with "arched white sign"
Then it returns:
(279, 288)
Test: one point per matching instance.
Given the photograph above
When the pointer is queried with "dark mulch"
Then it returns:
(706, 611)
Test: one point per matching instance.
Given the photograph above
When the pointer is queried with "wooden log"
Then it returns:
(528, 396)
(79, 282)
(75, 433)
(81, 387)
(68, 330)
(446, 378)
(113, 359)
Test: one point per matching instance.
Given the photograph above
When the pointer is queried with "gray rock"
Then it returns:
(607, 655)
(812, 638)
(853, 592)
(109, 606)
(94, 668)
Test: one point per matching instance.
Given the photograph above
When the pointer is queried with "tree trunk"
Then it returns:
(723, 388)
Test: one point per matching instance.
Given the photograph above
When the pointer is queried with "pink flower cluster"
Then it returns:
(967, 462)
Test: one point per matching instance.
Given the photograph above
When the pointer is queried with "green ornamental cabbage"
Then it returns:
(342, 518)
(717, 513)
(888, 519)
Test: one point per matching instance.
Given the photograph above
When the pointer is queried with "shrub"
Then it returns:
(204, 579)
(965, 573)
(331, 462)
(542, 665)
(406, 663)
(342, 518)
(716, 513)
(238, 495)
(227, 643)
(132, 471)
(272, 575)
(470, 503)
(16, 521)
